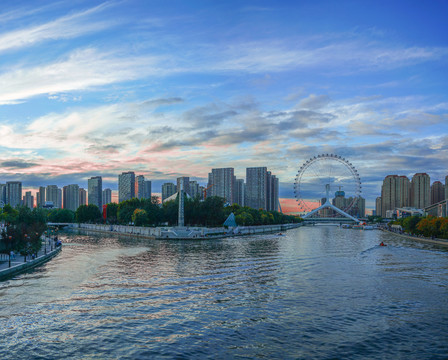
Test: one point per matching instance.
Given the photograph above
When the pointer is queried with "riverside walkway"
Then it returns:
(19, 264)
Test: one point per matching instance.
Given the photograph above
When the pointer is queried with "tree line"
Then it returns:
(149, 212)
(429, 226)
(22, 229)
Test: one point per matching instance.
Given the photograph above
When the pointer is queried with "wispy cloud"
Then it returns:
(81, 70)
(65, 27)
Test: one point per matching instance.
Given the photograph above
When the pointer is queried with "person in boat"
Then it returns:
(382, 244)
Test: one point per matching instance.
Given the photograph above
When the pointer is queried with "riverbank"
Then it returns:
(183, 233)
(436, 241)
(19, 265)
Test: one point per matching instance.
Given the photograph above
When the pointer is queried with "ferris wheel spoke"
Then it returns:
(319, 171)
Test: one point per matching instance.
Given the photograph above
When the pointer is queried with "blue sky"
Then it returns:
(175, 88)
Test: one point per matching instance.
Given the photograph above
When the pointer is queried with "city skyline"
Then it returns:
(100, 88)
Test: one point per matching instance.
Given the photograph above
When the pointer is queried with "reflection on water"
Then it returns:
(319, 292)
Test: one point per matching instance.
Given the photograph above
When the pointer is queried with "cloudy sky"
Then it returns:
(171, 88)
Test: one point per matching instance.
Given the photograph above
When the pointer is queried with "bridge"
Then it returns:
(328, 205)
(439, 209)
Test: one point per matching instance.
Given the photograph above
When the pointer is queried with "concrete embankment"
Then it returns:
(436, 241)
(8, 272)
(183, 232)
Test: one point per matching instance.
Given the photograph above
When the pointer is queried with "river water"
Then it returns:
(315, 293)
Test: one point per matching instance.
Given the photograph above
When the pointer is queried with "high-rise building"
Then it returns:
(140, 187)
(126, 186)
(272, 192)
(3, 195)
(420, 190)
(437, 192)
(222, 183)
(240, 189)
(40, 197)
(446, 187)
(51, 195)
(148, 189)
(256, 187)
(194, 189)
(82, 196)
(183, 183)
(28, 200)
(394, 193)
(168, 189)
(359, 207)
(378, 206)
(95, 191)
(14, 193)
(70, 195)
(107, 196)
(59, 199)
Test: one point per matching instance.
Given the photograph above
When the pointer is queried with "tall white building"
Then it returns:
(70, 194)
(126, 186)
(95, 191)
(222, 183)
(14, 193)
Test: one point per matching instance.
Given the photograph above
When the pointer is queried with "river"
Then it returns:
(315, 293)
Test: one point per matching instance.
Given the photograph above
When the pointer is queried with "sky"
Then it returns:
(176, 88)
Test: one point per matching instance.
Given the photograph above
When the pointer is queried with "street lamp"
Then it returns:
(10, 238)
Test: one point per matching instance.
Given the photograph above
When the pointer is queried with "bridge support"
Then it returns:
(329, 205)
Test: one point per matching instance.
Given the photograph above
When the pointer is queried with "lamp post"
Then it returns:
(10, 238)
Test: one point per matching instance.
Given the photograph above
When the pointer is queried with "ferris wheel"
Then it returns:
(325, 177)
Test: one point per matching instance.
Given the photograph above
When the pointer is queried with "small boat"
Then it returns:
(368, 227)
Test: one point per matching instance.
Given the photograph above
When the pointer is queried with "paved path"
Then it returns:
(19, 259)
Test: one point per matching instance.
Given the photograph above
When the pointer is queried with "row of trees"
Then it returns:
(429, 226)
(23, 229)
(149, 212)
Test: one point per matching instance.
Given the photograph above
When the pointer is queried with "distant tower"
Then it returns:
(181, 195)
(70, 194)
(222, 182)
(28, 200)
(140, 187)
(437, 192)
(184, 183)
(256, 187)
(168, 189)
(51, 194)
(95, 189)
(82, 197)
(41, 196)
(421, 190)
(107, 196)
(126, 186)
(14, 193)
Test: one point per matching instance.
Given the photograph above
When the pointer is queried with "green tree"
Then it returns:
(61, 216)
(112, 213)
(140, 217)
(88, 214)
